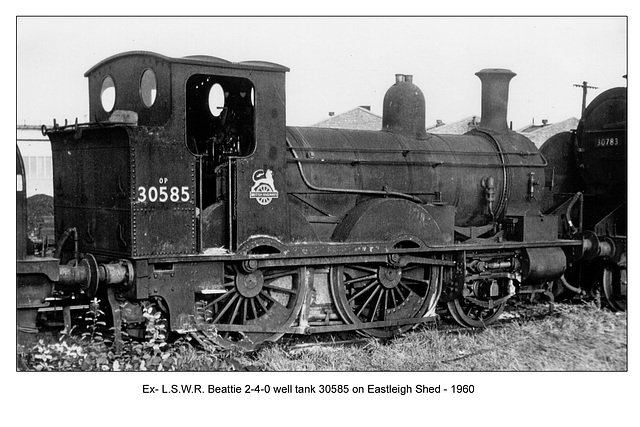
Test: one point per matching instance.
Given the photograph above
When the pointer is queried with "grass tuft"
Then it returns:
(571, 338)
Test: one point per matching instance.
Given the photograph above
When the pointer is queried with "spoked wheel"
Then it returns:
(253, 305)
(376, 292)
(471, 315)
(477, 309)
(614, 286)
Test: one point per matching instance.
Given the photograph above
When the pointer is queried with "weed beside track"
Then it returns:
(543, 337)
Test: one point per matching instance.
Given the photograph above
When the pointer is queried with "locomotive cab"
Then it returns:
(184, 138)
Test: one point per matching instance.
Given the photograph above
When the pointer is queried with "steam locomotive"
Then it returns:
(588, 192)
(187, 193)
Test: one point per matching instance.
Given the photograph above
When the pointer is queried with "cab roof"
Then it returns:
(195, 60)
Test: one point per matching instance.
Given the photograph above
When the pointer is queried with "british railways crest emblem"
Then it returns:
(264, 189)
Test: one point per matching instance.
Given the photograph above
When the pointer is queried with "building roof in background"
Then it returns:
(540, 133)
(456, 128)
(360, 118)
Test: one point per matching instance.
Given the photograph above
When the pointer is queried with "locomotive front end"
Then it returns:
(476, 195)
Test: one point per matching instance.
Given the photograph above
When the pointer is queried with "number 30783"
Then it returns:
(163, 194)
(607, 142)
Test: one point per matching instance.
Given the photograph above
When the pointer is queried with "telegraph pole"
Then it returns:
(584, 94)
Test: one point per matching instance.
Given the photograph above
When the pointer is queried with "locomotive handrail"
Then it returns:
(401, 163)
(606, 130)
(348, 190)
(57, 128)
(405, 152)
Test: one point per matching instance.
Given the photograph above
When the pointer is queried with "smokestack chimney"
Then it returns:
(495, 97)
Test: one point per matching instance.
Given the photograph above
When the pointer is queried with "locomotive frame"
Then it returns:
(233, 224)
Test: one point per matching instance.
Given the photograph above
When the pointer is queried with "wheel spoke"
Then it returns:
(226, 307)
(359, 279)
(254, 299)
(244, 317)
(366, 288)
(367, 301)
(400, 296)
(277, 275)
(279, 289)
(414, 280)
(260, 303)
(375, 309)
(386, 303)
(253, 308)
(235, 310)
(408, 289)
(220, 298)
(382, 294)
(393, 297)
(270, 298)
(373, 270)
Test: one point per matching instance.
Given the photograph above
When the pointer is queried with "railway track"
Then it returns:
(514, 312)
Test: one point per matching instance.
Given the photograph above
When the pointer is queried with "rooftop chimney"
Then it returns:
(495, 97)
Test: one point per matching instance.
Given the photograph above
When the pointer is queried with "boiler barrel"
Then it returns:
(453, 169)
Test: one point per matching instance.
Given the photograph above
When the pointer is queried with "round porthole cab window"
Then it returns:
(108, 94)
(148, 87)
(216, 100)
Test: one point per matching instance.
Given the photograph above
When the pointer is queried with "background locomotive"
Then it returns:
(588, 191)
(231, 223)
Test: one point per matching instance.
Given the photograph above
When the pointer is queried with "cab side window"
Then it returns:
(220, 117)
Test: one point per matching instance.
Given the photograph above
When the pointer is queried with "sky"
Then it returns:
(338, 63)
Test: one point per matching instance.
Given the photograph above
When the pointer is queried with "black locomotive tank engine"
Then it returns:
(588, 193)
(188, 194)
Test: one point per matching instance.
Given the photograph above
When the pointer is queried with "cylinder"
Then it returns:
(72, 275)
(543, 264)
